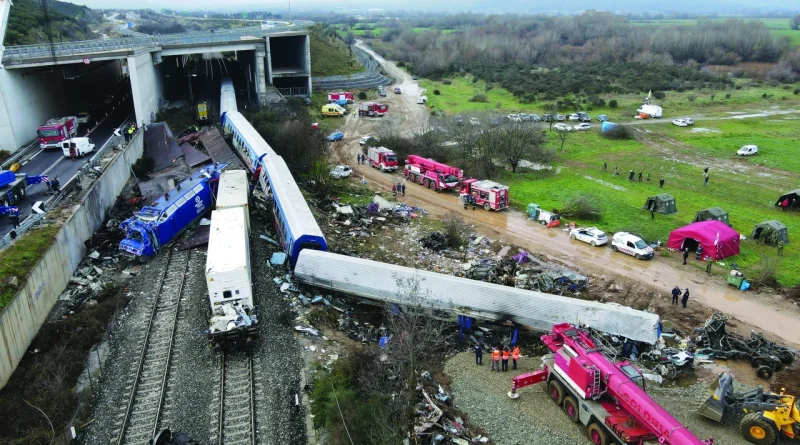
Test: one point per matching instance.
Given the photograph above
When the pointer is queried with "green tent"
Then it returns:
(770, 232)
(712, 213)
(662, 203)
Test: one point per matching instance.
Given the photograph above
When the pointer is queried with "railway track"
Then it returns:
(237, 392)
(149, 373)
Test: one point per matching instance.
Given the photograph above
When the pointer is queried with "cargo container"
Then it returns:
(233, 192)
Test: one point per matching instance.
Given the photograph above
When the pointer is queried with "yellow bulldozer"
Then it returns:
(767, 416)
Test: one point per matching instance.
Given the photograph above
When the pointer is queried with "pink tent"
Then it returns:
(717, 239)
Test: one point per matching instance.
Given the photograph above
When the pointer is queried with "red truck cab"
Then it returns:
(346, 95)
(488, 194)
(56, 131)
(382, 158)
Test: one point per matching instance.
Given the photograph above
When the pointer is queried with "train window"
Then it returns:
(198, 188)
(226, 294)
(181, 201)
(310, 245)
(237, 291)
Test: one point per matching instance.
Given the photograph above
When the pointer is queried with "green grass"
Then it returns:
(747, 197)
(18, 259)
(331, 57)
(454, 98)
(777, 27)
(794, 36)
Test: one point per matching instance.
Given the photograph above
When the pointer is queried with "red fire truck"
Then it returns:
(346, 95)
(382, 158)
(432, 174)
(57, 130)
(373, 109)
(489, 194)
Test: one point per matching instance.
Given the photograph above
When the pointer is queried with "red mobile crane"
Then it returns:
(432, 174)
(607, 398)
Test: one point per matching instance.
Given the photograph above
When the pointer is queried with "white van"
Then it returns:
(632, 245)
(77, 147)
(422, 99)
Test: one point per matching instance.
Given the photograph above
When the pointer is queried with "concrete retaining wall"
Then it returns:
(22, 318)
(146, 86)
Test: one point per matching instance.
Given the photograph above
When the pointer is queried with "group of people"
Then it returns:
(786, 204)
(632, 175)
(676, 293)
(698, 255)
(361, 159)
(400, 187)
(469, 200)
(500, 356)
(131, 130)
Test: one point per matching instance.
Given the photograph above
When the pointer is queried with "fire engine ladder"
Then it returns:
(594, 391)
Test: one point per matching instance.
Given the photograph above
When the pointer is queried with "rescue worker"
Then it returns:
(616, 171)
(13, 215)
(495, 359)
(472, 201)
(478, 353)
(605, 167)
(661, 183)
(515, 353)
(403, 188)
(466, 201)
(685, 255)
(676, 293)
(780, 247)
(506, 355)
(54, 184)
(685, 298)
(709, 263)
(640, 176)
(698, 254)
(394, 190)
(630, 176)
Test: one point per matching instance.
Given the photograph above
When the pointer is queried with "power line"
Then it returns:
(341, 415)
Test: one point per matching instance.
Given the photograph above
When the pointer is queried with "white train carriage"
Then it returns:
(234, 191)
(234, 316)
(227, 98)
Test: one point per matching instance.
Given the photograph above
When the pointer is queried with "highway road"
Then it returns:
(106, 118)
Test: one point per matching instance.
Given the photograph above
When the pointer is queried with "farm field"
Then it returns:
(777, 26)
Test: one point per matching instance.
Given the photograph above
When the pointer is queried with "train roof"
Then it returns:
(174, 195)
(233, 189)
(249, 134)
(292, 202)
(227, 241)
(227, 97)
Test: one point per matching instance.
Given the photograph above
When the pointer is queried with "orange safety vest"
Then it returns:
(515, 353)
(495, 355)
(505, 354)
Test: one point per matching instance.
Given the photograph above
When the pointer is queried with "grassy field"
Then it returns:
(331, 57)
(777, 26)
(455, 98)
(19, 259)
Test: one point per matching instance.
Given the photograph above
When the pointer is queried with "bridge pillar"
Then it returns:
(146, 86)
(5, 10)
(261, 82)
(308, 62)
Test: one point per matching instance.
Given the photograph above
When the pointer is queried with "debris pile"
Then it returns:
(230, 316)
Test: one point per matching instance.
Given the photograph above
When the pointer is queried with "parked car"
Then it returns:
(590, 235)
(583, 127)
(414, 77)
(689, 120)
(602, 118)
(341, 171)
(546, 118)
(365, 139)
(560, 118)
(748, 150)
(524, 117)
(562, 127)
(574, 117)
(680, 122)
(336, 136)
(535, 117)
(549, 219)
(397, 90)
(584, 117)
(422, 100)
(84, 117)
(632, 245)
(514, 118)
(474, 121)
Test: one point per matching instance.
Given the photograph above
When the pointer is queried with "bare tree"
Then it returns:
(794, 23)
(552, 110)
(517, 142)
(349, 38)
(561, 136)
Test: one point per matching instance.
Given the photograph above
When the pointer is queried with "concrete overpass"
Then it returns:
(281, 59)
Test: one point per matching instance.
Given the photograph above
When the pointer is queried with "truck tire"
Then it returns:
(757, 430)
(597, 434)
(556, 390)
(764, 372)
(787, 357)
(571, 408)
(486, 206)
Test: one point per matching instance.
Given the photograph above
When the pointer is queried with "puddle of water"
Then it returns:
(607, 184)
(704, 130)
(731, 297)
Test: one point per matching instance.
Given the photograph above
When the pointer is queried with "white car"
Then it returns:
(514, 118)
(83, 117)
(562, 127)
(748, 150)
(591, 235)
(365, 139)
(574, 117)
(341, 171)
(422, 100)
(632, 245)
(680, 122)
(689, 120)
(474, 121)
(583, 127)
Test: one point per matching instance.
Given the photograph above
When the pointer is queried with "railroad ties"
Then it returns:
(236, 423)
(148, 380)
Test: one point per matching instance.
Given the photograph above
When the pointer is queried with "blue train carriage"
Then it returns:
(159, 223)
(296, 226)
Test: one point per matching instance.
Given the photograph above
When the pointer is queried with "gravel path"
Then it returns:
(534, 420)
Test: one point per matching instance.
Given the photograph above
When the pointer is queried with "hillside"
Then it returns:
(329, 55)
(68, 22)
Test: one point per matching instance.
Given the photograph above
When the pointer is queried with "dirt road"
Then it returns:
(765, 312)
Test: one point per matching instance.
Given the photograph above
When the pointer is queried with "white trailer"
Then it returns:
(650, 110)
(233, 192)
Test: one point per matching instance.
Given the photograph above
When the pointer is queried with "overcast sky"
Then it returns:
(529, 6)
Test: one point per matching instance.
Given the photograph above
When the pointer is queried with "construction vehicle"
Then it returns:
(372, 109)
(768, 416)
(608, 398)
(13, 186)
(155, 225)
(488, 194)
(56, 131)
(382, 158)
(333, 110)
(202, 112)
(433, 175)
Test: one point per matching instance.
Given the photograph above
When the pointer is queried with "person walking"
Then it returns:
(506, 355)
(648, 177)
(630, 176)
(685, 255)
(466, 201)
(394, 190)
(495, 359)
(616, 171)
(478, 353)
(661, 183)
(605, 167)
(780, 247)
(676, 293)
(685, 298)
(640, 176)
(652, 213)
(515, 353)
(13, 215)
(785, 204)
(698, 254)
(705, 180)
(709, 263)
(403, 188)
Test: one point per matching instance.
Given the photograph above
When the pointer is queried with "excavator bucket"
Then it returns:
(719, 392)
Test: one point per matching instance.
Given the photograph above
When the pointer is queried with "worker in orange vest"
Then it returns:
(515, 356)
(506, 354)
(496, 359)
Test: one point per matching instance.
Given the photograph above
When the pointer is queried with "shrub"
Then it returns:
(691, 97)
(143, 166)
(612, 103)
(582, 207)
(401, 64)
(728, 95)
(796, 92)
(362, 95)
(436, 92)
(620, 132)
(447, 82)
(4, 154)
(479, 97)
(659, 94)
